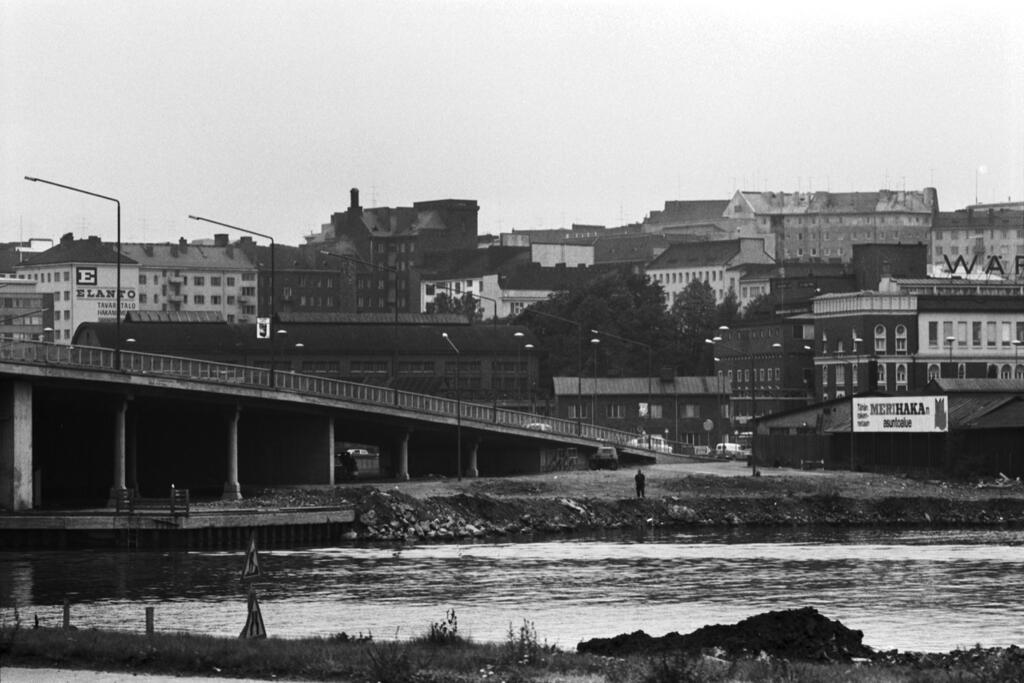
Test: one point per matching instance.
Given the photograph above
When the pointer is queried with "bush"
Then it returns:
(445, 632)
(393, 661)
(523, 647)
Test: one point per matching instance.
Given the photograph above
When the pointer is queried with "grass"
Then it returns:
(440, 654)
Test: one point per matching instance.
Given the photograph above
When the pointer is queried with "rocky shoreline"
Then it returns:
(391, 515)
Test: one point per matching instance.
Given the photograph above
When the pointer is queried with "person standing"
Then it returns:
(641, 482)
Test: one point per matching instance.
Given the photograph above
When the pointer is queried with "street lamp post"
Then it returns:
(117, 256)
(529, 387)
(273, 293)
(394, 330)
(714, 341)
(593, 396)
(519, 362)
(650, 370)
(579, 362)
(949, 342)
(1016, 353)
(494, 353)
(458, 406)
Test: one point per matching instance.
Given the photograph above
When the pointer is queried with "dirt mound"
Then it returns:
(789, 634)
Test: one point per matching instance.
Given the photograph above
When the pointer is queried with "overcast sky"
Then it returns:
(263, 114)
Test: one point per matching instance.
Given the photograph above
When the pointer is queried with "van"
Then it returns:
(728, 451)
(606, 456)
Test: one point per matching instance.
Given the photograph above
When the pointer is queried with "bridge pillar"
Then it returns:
(16, 446)
(402, 455)
(232, 489)
(119, 451)
(132, 451)
(330, 450)
(471, 468)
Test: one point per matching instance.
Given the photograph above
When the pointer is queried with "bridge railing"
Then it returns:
(150, 364)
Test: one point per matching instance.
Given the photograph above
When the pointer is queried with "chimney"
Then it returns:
(182, 245)
(67, 239)
(220, 239)
(354, 201)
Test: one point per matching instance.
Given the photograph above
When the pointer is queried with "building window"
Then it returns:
(933, 371)
(199, 280)
(199, 299)
(215, 299)
(840, 375)
(215, 281)
(656, 411)
(142, 278)
(933, 335)
(961, 370)
(1005, 372)
(990, 334)
(615, 411)
(976, 334)
(882, 380)
(901, 339)
(879, 338)
(901, 376)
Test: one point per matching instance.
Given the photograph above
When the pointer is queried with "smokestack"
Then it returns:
(354, 201)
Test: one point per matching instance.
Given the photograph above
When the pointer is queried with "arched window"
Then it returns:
(839, 346)
(1018, 373)
(879, 338)
(881, 375)
(729, 375)
(933, 371)
(901, 375)
(1006, 372)
(961, 370)
(901, 339)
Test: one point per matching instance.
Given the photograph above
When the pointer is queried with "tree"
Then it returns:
(466, 305)
(729, 310)
(696, 319)
(616, 302)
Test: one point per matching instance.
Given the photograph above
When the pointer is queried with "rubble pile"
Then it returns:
(796, 634)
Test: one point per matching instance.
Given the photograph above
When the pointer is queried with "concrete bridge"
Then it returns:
(80, 424)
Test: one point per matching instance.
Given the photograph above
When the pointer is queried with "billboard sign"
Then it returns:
(901, 414)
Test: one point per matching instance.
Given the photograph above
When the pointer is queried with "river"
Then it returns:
(927, 590)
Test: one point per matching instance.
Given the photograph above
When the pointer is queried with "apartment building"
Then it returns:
(824, 226)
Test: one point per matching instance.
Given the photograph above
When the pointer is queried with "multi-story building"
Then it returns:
(715, 263)
(81, 276)
(684, 410)
(970, 243)
(865, 341)
(394, 244)
(217, 278)
(25, 314)
(824, 226)
(767, 363)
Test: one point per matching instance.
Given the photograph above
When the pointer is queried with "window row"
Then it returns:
(974, 333)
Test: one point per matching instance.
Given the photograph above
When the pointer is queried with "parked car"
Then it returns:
(539, 426)
(605, 457)
(728, 450)
(651, 442)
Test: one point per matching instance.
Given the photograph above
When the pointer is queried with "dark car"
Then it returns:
(605, 457)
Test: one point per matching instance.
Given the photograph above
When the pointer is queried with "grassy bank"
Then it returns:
(441, 655)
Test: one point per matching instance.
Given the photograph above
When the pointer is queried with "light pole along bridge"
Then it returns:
(76, 430)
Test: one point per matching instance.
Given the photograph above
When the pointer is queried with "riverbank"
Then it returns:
(696, 494)
(795, 646)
